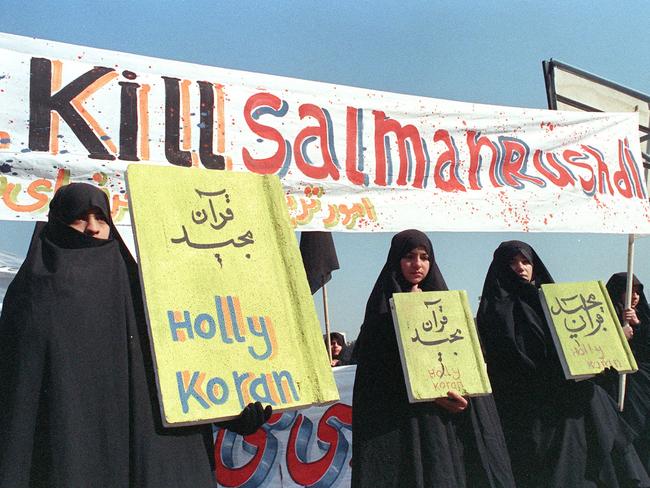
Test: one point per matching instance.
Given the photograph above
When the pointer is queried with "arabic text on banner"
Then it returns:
(310, 447)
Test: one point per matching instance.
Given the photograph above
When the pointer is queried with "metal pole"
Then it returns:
(327, 323)
(628, 304)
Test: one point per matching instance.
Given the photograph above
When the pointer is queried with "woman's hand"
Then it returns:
(251, 418)
(628, 331)
(415, 288)
(629, 316)
(454, 403)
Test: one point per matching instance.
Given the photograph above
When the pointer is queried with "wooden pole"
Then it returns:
(327, 323)
(628, 303)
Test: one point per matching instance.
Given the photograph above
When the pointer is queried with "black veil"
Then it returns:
(397, 443)
(511, 323)
(559, 432)
(78, 404)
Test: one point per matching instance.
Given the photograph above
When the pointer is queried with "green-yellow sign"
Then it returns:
(229, 309)
(438, 345)
(586, 330)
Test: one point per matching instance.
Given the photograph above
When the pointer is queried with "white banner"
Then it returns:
(350, 159)
(311, 447)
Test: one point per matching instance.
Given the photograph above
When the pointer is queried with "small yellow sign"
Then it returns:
(586, 330)
(438, 345)
(229, 309)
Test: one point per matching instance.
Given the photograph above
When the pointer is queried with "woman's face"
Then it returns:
(415, 265)
(92, 223)
(335, 347)
(635, 296)
(520, 265)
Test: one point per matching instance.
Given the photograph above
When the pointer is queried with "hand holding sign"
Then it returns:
(251, 418)
(454, 402)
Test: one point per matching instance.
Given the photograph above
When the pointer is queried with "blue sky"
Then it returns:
(483, 51)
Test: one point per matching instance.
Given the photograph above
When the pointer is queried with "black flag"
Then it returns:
(318, 257)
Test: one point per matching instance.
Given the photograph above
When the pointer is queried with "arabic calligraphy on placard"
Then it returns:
(583, 317)
(434, 334)
(214, 211)
(438, 344)
(585, 329)
(435, 327)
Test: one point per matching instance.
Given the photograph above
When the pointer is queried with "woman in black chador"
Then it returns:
(340, 351)
(560, 433)
(637, 397)
(78, 405)
(452, 442)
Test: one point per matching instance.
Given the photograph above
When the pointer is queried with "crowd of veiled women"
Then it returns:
(538, 429)
(78, 406)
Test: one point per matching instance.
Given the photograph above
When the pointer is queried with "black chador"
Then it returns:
(560, 433)
(636, 411)
(78, 406)
(402, 444)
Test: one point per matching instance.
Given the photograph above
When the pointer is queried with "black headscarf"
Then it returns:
(616, 287)
(397, 443)
(338, 337)
(73, 200)
(377, 334)
(502, 280)
(390, 278)
(640, 342)
(78, 405)
(376, 345)
(518, 345)
(544, 415)
(343, 356)
(637, 397)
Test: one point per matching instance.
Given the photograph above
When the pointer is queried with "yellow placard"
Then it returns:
(229, 309)
(438, 345)
(586, 330)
